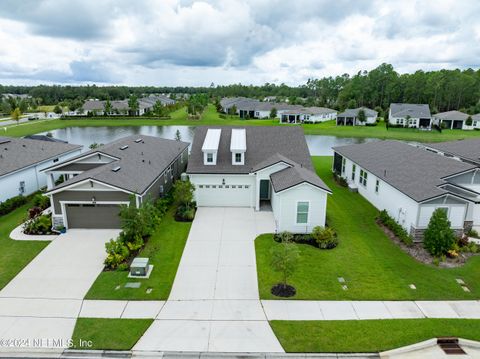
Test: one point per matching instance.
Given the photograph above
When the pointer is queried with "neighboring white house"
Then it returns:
(259, 167)
(453, 120)
(121, 107)
(21, 162)
(350, 117)
(410, 115)
(298, 114)
(410, 183)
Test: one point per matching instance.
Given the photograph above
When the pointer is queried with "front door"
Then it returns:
(264, 189)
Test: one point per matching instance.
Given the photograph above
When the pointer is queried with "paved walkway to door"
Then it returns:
(45, 298)
(214, 304)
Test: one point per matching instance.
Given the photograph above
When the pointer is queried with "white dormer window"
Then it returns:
(210, 146)
(238, 146)
(209, 157)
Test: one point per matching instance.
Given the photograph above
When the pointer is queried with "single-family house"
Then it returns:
(464, 150)
(350, 117)
(298, 114)
(452, 120)
(99, 181)
(410, 115)
(22, 160)
(121, 107)
(259, 167)
(410, 183)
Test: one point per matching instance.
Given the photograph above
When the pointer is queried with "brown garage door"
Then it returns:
(93, 215)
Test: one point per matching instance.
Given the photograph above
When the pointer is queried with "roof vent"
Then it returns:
(138, 140)
(124, 147)
(116, 169)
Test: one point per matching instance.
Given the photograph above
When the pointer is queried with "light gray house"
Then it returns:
(121, 107)
(99, 181)
(463, 150)
(22, 161)
(410, 183)
(452, 120)
(349, 117)
(410, 115)
(259, 167)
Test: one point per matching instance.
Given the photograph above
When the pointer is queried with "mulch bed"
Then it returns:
(420, 254)
(283, 291)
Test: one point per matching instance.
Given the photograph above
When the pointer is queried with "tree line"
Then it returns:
(443, 90)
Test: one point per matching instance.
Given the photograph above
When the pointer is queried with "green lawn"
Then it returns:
(367, 335)
(108, 334)
(373, 266)
(211, 117)
(164, 249)
(15, 255)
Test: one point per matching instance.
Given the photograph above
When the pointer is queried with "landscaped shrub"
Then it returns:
(137, 224)
(41, 201)
(11, 204)
(396, 228)
(308, 238)
(325, 237)
(117, 253)
(162, 204)
(40, 225)
(439, 238)
(33, 212)
(340, 180)
(472, 233)
(183, 199)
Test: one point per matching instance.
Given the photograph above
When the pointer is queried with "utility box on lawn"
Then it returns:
(139, 267)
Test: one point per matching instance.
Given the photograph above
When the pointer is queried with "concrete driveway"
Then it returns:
(214, 303)
(39, 307)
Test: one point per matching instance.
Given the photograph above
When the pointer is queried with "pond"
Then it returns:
(319, 145)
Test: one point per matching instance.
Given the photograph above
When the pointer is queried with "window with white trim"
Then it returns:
(209, 157)
(377, 186)
(21, 187)
(238, 157)
(363, 178)
(354, 169)
(302, 212)
(344, 161)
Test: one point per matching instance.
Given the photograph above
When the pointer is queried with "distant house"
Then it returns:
(264, 168)
(349, 117)
(410, 183)
(452, 120)
(410, 115)
(99, 181)
(476, 121)
(270, 99)
(121, 107)
(44, 138)
(299, 114)
(21, 162)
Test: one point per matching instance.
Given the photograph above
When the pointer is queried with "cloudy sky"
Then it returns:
(182, 42)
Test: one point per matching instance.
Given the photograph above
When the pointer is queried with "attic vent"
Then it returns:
(138, 140)
(124, 147)
(116, 169)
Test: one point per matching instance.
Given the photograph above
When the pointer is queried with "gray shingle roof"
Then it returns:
(293, 176)
(451, 115)
(140, 164)
(413, 171)
(18, 153)
(466, 149)
(353, 112)
(266, 145)
(410, 109)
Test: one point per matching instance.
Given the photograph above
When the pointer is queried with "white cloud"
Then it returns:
(176, 42)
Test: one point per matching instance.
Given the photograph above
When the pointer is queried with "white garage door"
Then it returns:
(224, 196)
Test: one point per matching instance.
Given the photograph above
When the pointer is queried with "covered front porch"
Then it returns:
(291, 118)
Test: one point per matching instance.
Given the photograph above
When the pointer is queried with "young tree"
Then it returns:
(178, 136)
(439, 237)
(183, 194)
(469, 121)
(232, 110)
(107, 108)
(361, 115)
(273, 112)
(133, 105)
(16, 114)
(58, 110)
(158, 109)
(284, 258)
(407, 120)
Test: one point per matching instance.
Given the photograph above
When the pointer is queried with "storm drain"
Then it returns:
(450, 346)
